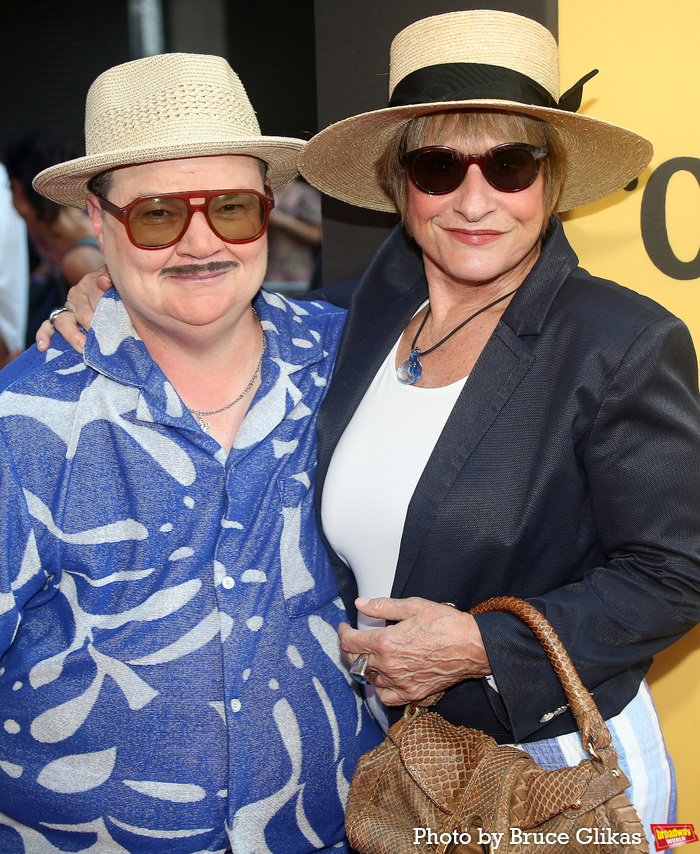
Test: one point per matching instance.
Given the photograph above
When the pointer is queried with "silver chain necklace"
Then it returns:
(199, 413)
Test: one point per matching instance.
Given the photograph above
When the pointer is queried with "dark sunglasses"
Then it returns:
(156, 222)
(437, 169)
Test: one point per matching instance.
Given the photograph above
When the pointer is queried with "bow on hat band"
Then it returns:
(571, 99)
(465, 81)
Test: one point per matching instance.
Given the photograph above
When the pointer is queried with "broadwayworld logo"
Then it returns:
(669, 835)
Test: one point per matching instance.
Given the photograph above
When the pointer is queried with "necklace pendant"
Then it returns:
(411, 370)
(205, 425)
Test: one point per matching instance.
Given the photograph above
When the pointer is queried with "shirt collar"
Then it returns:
(113, 347)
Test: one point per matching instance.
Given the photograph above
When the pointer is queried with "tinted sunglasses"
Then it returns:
(156, 222)
(437, 169)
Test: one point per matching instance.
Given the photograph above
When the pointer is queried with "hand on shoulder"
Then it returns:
(81, 304)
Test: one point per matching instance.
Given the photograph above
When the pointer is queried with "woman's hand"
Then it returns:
(82, 301)
(430, 648)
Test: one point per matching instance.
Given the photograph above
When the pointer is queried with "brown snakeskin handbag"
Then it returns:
(434, 787)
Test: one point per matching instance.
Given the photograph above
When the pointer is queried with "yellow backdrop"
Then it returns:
(649, 237)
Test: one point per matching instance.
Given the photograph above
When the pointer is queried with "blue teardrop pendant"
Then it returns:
(411, 370)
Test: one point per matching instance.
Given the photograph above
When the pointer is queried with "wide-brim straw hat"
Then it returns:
(475, 60)
(166, 107)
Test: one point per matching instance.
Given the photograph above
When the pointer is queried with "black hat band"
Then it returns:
(467, 81)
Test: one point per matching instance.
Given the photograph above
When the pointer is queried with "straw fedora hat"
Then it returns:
(166, 107)
(479, 60)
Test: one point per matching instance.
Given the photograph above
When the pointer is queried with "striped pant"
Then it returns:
(642, 754)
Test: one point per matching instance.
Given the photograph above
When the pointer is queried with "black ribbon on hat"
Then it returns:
(466, 81)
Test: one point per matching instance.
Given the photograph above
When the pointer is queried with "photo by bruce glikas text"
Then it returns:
(516, 836)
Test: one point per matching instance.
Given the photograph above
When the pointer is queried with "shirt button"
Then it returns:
(235, 705)
(227, 582)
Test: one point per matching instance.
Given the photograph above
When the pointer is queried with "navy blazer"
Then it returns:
(566, 474)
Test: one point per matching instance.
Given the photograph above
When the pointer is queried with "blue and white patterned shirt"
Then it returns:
(170, 678)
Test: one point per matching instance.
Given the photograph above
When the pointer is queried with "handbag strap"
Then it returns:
(594, 732)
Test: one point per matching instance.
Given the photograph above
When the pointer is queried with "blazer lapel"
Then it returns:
(388, 295)
(378, 315)
(502, 365)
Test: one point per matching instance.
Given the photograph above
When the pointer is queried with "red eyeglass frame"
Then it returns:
(122, 214)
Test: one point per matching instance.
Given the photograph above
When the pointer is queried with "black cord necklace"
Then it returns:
(412, 370)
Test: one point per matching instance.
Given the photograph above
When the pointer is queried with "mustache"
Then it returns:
(198, 269)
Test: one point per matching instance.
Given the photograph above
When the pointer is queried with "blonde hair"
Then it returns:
(470, 125)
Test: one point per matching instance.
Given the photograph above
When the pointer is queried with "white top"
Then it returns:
(372, 477)
(14, 270)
